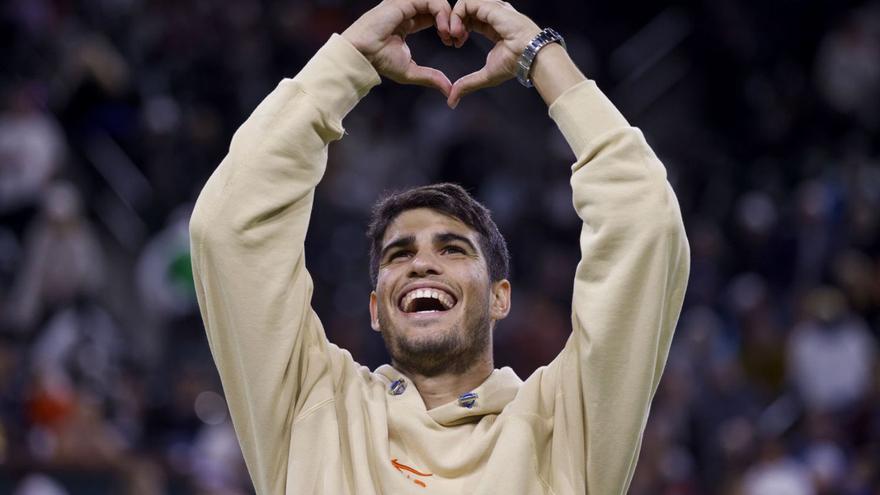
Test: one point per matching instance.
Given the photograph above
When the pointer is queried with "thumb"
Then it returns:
(468, 84)
(426, 76)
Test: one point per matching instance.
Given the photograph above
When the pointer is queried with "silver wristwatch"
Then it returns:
(524, 64)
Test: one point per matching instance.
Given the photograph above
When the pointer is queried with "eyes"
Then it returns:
(448, 250)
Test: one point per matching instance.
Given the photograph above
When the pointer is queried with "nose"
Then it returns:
(424, 264)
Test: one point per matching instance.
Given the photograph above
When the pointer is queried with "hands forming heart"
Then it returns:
(380, 35)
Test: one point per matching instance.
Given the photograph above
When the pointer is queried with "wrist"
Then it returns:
(361, 41)
(528, 34)
(526, 58)
(554, 72)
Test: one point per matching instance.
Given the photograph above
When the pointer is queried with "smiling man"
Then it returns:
(440, 418)
(439, 265)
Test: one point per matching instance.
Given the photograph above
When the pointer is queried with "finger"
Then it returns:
(473, 15)
(418, 23)
(441, 18)
(457, 28)
(459, 41)
(483, 28)
(468, 84)
(439, 9)
(426, 76)
(481, 10)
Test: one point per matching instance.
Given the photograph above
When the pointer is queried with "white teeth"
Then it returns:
(445, 299)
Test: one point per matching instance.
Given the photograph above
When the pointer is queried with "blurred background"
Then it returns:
(113, 113)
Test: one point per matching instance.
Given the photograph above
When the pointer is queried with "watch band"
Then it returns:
(524, 64)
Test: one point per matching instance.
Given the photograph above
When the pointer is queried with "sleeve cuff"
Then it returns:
(337, 77)
(582, 113)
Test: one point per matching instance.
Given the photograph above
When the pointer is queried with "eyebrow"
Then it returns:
(397, 243)
(449, 237)
(438, 239)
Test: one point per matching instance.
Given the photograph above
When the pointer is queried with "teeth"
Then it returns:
(445, 299)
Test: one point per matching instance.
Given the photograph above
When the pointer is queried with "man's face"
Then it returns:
(434, 303)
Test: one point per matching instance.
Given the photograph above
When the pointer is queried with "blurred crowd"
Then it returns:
(113, 113)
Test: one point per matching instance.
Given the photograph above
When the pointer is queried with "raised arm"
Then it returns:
(631, 280)
(628, 289)
(249, 226)
(629, 285)
(247, 233)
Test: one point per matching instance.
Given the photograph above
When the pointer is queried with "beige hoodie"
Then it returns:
(312, 421)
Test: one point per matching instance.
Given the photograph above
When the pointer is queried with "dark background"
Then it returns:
(114, 113)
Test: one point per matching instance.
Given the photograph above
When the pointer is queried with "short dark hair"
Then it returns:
(448, 199)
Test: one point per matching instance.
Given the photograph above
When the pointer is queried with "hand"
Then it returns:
(380, 35)
(501, 23)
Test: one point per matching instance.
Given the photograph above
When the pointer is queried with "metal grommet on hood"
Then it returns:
(397, 387)
(468, 400)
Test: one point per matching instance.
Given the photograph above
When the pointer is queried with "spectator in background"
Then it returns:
(165, 286)
(164, 270)
(63, 260)
(39, 484)
(847, 71)
(832, 354)
(32, 149)
(777, 473)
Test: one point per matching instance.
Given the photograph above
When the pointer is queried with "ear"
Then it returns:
(500, 304)
(374, 311)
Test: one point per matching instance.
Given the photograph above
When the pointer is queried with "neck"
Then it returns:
(439, 389)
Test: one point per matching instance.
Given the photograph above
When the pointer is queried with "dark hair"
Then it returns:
(449, 199)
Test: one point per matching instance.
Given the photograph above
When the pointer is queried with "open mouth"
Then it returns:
(426, 300)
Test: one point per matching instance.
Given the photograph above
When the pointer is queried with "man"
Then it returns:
(441, 419)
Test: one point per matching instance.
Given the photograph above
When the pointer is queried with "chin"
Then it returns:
(424, 332)
(427, 335)
(431, 346)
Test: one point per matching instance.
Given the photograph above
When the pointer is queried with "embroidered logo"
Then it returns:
(410, 472)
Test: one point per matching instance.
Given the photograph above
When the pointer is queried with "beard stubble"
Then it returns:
(455, 351)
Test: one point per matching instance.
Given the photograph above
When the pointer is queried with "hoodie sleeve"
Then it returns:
(628, 293)
(247, 233)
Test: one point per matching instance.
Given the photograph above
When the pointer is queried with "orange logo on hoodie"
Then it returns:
(403, 467)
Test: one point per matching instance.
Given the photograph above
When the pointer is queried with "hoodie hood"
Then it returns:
(490, 397)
